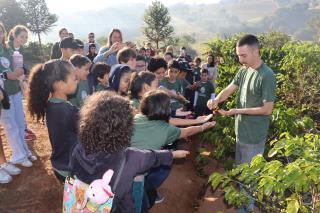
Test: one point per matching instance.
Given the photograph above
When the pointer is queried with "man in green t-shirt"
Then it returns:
(256, 84)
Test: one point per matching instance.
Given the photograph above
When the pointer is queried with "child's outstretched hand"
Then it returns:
(180, 153)
(181, 113)
(204, 118)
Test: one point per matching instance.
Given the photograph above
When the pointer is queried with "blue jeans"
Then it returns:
(138, 193)
(244, 154)
(13, 123)
(158, 175)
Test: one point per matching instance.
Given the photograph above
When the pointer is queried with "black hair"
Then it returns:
(137, 82)
(106, 123)
(140, 58)
(249, 40)
(197, 59)
(169, 53)
(79, 61)
(155, 105)
(212, 64)
(174, 64)
(41, 80)
(99, 70)
(204, 71)
(80, 43)
(125, 54)
(92, 45)
(142, 48)
(157, 63)
(116, 73)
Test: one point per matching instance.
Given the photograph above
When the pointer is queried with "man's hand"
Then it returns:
(231, 112)
(212, 104)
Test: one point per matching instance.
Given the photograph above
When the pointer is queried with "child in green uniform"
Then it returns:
(204, 92)
(57, 80)
(6, 169)
(82, 65)
(139, 85)
(174, 86)
(12, 119)
(196, 70)
(153, 131)
(100, 73)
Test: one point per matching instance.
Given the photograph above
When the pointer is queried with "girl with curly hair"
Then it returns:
(105, 129)
(50, 85)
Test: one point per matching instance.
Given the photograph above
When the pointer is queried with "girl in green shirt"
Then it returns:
(82, 65)
(139, 85)
(153, 131)
(13, 119)
(6, 169)
(100, 72)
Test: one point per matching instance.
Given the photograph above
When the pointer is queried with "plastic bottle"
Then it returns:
(17, 60)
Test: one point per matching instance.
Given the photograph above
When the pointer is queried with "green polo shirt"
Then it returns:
(81, 93)
(101, 87)
(203, 93)
(10, 86)
(174, 88)
(152, 134)
(254, 87)
(135, 103)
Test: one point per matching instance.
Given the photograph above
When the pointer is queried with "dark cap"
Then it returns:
(185, 66)
(79, 42)
(69, 42)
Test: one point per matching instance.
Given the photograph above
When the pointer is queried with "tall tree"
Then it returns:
(39, 19)
(157, 20)
(11, 14)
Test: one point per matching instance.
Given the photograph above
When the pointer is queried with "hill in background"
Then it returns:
(200, 21)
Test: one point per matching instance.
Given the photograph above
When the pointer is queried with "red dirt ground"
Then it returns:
(37, 190)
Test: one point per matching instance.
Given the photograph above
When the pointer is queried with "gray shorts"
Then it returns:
(245, 152)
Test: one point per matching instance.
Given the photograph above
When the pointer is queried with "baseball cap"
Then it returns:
(79, 42)
(185, 66)
(69, 42)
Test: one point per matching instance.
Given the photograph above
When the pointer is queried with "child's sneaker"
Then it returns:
(25, 163)
(4, 177)
(10, 169)
(159, 198)
(32, 158)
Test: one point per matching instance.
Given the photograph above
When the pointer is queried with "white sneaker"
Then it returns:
(4, 177)
(10, 169)
(32, 157)
(26, 163)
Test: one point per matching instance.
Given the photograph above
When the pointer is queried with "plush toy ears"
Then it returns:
(107, 177)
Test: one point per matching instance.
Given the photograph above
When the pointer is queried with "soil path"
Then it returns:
(37, 190)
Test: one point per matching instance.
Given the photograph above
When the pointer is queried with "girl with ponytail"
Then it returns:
(50, 84)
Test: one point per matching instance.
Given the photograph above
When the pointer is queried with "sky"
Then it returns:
(56, 6)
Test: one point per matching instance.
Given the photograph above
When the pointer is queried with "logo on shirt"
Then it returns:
(5, 62)
(202, 90)
(83, 94)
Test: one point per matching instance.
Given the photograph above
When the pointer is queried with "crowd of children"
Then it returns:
(104, 105)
